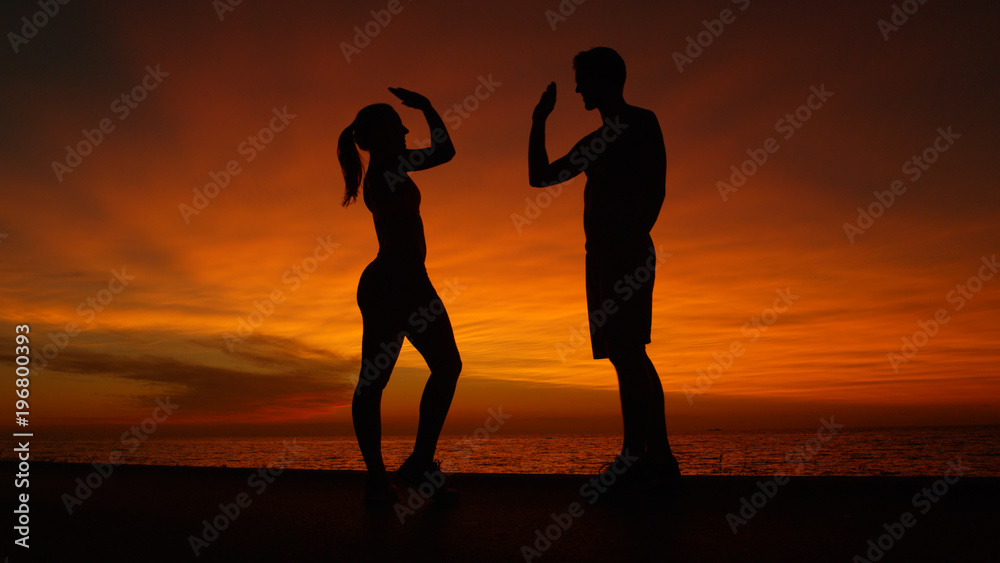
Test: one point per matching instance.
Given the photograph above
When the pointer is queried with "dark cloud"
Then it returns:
(266, 377)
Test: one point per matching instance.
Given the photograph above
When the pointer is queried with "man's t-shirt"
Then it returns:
(625, 163)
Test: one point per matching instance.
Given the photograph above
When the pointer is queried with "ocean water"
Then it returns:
(886, 451)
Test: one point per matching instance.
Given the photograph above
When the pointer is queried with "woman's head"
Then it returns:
(377, 129)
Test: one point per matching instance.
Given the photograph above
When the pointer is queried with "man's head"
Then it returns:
(600, 76)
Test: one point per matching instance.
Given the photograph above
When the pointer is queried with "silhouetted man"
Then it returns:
(625, 163)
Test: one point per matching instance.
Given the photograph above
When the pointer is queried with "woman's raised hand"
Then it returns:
(411, 99)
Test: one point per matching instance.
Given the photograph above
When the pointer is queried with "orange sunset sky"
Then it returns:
(515, 287)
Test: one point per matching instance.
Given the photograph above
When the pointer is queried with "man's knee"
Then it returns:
(624, 356)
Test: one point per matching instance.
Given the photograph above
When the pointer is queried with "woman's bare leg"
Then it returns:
(366, 408)
(436, 343)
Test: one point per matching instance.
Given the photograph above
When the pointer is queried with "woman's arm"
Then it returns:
(441, 150)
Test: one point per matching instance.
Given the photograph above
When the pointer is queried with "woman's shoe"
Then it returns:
(380, 492)
(428, 480)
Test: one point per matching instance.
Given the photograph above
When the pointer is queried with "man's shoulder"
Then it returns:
(632, 123)
(630, 116)
(642, 116)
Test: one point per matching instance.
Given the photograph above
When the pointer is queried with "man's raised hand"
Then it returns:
(546, 104)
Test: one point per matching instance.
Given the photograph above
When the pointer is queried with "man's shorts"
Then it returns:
(620, 295)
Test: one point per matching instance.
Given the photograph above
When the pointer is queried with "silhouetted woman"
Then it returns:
(395, 295)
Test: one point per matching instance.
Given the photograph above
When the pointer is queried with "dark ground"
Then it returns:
(148, 513)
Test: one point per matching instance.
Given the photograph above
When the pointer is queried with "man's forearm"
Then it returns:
(538, 158)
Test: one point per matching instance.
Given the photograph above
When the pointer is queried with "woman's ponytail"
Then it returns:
(350, 164)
